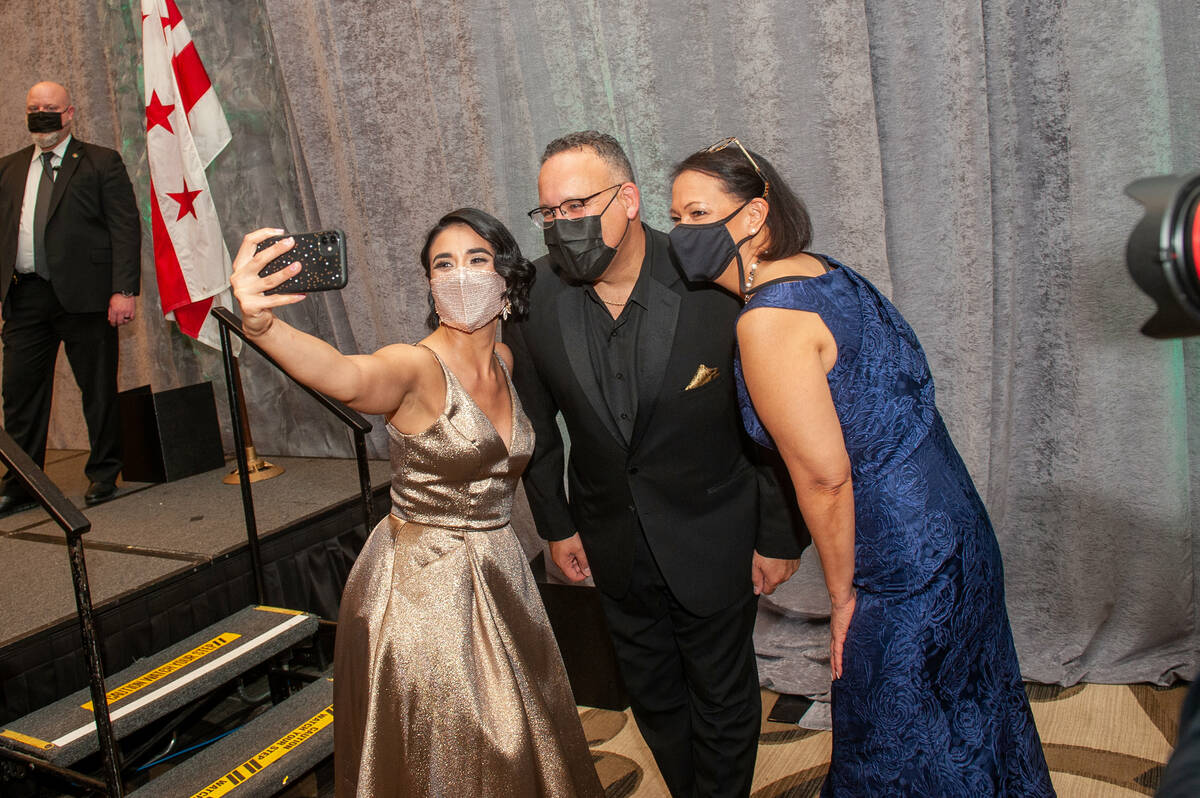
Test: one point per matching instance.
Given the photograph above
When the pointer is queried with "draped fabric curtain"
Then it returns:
(969, 158)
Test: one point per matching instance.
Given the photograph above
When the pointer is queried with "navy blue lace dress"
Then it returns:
(931, 701)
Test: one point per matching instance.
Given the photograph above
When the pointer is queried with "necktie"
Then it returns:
(41, 210)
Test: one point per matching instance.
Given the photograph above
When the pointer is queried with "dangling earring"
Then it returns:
(433, 320)
(507, 310)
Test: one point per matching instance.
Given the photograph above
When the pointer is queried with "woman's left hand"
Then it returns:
(839, 624)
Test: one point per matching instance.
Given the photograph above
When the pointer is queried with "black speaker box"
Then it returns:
(170, 435)
(582, 633)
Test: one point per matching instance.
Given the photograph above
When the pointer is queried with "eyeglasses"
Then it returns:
(544, 217)
(723, 143)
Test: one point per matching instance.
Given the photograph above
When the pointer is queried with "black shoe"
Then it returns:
(99, 492)
(11, 504)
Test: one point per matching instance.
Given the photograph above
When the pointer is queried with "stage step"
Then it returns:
(261, 758)
(65, 732)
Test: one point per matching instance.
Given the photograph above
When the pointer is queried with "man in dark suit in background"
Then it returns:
(70, 267)
(677, 527)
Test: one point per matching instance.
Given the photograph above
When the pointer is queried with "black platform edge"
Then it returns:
(260, 758)
(306, 563)
(157, 685)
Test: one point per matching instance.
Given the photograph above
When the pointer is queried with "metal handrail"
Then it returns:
(231, 324)
(74, 525)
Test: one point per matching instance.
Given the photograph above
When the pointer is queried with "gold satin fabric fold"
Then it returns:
(447, 678)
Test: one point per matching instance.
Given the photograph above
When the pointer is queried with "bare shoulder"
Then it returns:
(769, 336)
(769, 327)
(409, 362)
(422, 383)
(505, 354)
(403, 353)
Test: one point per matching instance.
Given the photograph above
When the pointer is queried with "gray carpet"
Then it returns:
(170, 526)
(35, 582)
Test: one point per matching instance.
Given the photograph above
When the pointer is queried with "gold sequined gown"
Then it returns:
(447, 679)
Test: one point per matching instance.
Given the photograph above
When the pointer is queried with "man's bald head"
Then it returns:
(51, 97)
(49, 92)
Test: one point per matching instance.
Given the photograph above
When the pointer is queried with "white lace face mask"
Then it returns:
(466, 299)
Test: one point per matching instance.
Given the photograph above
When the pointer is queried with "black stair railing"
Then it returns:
(74, 525)
(359, 426)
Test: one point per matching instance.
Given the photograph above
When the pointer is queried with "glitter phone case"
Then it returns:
(322, 259)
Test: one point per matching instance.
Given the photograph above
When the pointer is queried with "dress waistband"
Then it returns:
(433, 525)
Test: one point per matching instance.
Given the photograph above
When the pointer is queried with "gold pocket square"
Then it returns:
(703, 376)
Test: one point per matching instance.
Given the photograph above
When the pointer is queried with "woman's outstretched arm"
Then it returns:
(375, 383)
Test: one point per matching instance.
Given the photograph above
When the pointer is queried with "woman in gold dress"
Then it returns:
(447, 679)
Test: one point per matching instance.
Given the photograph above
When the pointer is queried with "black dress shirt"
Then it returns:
(612, 344)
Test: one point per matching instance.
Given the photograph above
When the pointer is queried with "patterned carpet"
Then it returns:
(1101, 741)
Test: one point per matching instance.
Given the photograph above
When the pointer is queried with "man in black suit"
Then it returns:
(70, 267)
(665, 511)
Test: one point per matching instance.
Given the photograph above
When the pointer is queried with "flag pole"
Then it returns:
(257, 468)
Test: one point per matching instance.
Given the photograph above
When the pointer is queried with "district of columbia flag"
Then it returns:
(185, 130)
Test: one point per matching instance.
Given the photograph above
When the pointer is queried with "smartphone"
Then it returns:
(322, 258)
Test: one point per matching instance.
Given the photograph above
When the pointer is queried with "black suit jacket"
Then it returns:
(93, 232)
(684, 476)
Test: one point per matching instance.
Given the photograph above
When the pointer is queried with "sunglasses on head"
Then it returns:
(723, 143)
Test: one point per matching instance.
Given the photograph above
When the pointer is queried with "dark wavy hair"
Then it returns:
(518, 273)
(788, 222)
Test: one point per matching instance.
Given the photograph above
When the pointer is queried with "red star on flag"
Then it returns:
(158, 114)
(173, 16)
(186, 200)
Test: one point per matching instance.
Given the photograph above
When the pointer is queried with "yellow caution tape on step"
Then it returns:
(276, 750)
(26, 739)
(280, 610)
(165, 670)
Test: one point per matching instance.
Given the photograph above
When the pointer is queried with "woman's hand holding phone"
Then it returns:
(250, 289)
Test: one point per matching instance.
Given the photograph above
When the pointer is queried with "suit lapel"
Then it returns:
(571, 320)
(66, 169)
(16, 174)
(14, 179)
(656, 335)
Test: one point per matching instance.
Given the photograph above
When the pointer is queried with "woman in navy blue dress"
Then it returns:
(927, 692)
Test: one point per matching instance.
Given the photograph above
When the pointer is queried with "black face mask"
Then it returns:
(577, 246)
(44, 121)
(704, 250)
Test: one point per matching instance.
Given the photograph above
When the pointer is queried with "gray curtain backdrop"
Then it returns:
(967, 157)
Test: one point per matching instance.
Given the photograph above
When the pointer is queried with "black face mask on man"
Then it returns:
(705, 250)
(577, 247)
(44, 121)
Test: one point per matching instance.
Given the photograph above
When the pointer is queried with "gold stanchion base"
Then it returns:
(258, 469)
